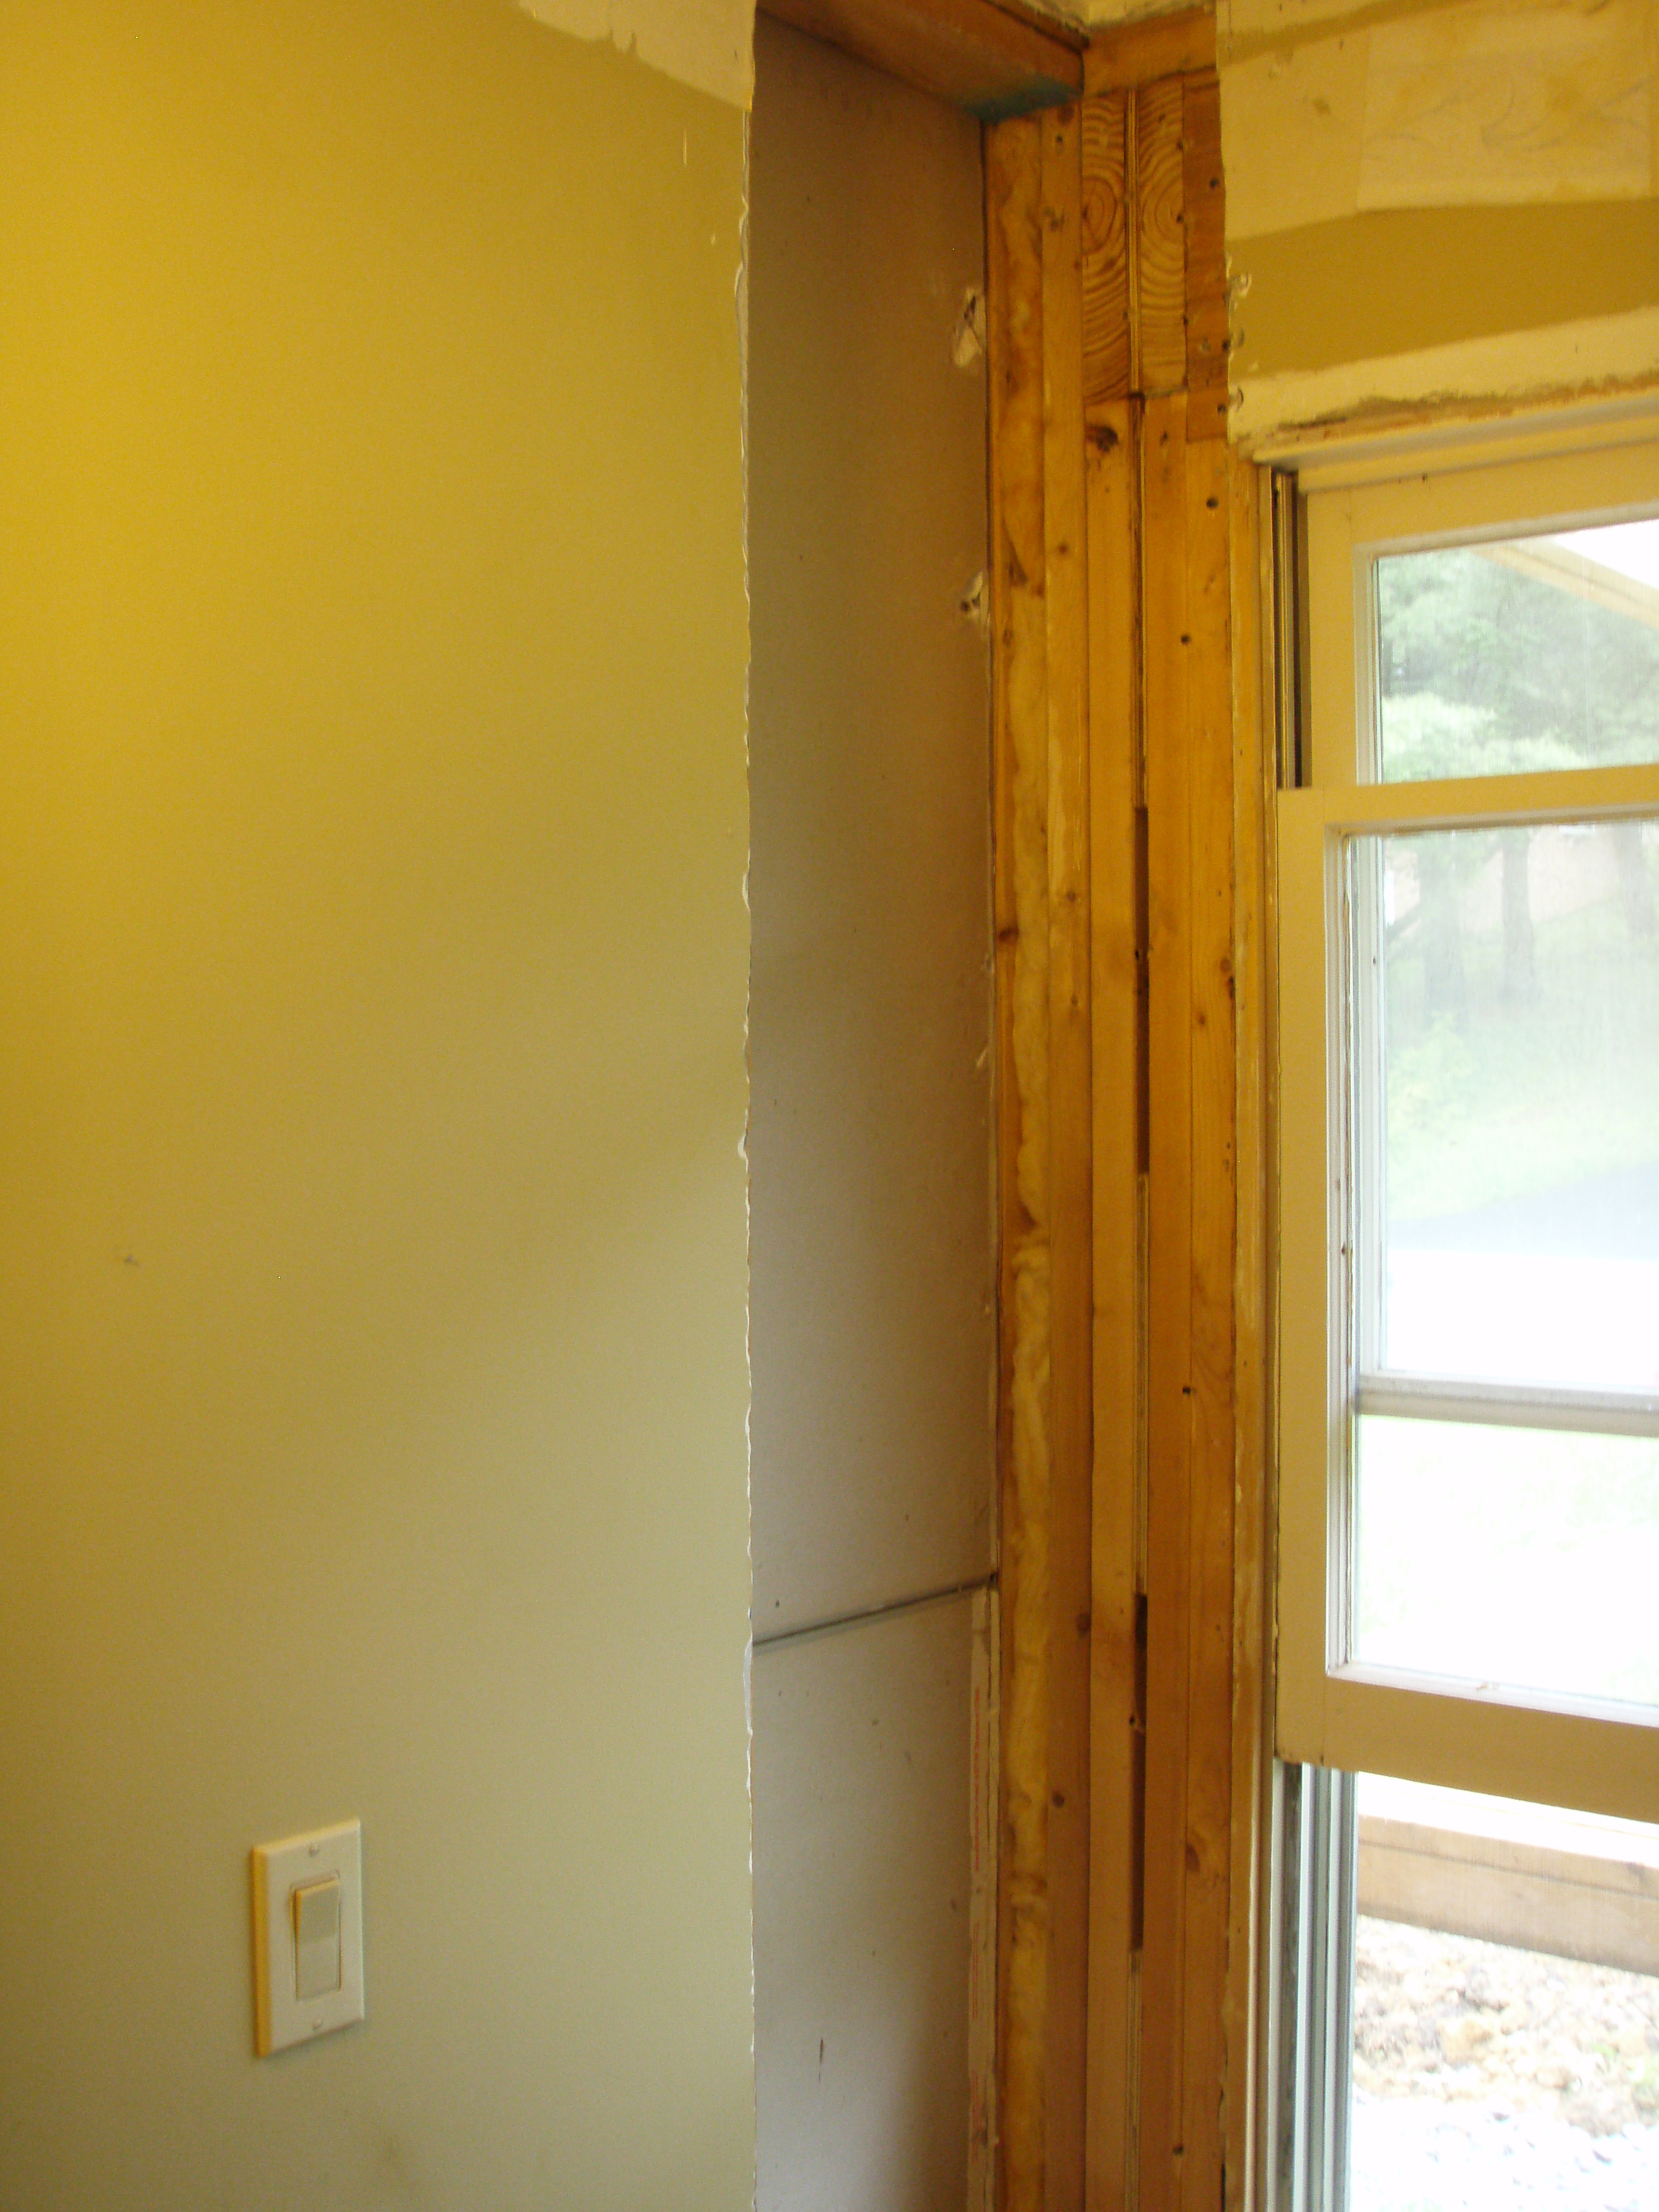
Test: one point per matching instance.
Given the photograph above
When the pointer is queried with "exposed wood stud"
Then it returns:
(1158, 256)
(1113, 490)
(1157, 46)
(1170, 1410)
(1013, 197)
(1179, 1104)
(984, 1795)
(1105, 248)
(1203, 223)
(1251, 754)
(1070, 1083)
(1214, 1156)
(1041, 612)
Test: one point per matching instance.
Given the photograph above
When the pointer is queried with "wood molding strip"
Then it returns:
(970, 53)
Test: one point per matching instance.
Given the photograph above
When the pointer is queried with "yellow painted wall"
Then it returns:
(373, 962)
(1438, 200)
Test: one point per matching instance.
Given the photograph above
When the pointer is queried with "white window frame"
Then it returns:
(1330, 1711)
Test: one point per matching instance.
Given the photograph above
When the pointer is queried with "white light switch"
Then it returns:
(307, 1935)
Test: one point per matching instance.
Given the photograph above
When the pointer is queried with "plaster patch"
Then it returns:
(1292, 129)
(1484, 104)
(706, 44)
(1604, 354)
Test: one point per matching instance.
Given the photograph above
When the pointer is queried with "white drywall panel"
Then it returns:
(861, 1867)
(870, 1141)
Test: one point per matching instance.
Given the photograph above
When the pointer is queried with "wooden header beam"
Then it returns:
(1159, 46)
(970, 53)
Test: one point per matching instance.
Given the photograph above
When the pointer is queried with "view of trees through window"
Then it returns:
(1530, 653)
(1518, 1153)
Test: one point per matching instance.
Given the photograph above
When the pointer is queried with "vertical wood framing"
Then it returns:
(1105, 248)
(1115, 1701)
(1157, 261)
(1130, 913)
(1013, 197)
(984, 1812)
(1039, 613)
(1209, 1043)
(1174, 533)
(1169, 1292)
(1070, 1087)
(1205, 249)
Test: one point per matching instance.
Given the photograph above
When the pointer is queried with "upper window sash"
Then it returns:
(1350, 528)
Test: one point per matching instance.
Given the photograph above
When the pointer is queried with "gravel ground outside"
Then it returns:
(1491, 2080)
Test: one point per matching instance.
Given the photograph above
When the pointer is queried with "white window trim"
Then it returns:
(1600, 1757)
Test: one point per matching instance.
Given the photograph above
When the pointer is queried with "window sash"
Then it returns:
(1505, 1405)
(1602, 1757)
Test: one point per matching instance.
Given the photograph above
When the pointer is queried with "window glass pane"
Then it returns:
(1506, 2008)
(1508, 1103)
(1520, 655)
(1525, 1557)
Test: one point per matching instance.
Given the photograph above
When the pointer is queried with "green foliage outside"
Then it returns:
(1522, 1039)
(1485, 669)
(1515, 1092)
(1521, 1025)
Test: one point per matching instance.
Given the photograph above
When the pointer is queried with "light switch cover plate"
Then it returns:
(282, 2016)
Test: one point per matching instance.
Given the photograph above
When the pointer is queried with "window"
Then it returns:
(1468, 1026)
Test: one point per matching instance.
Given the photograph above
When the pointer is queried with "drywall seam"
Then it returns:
(1603, 355)
(708, 44)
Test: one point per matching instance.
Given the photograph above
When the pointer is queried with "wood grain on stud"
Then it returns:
(1070, 1242)
(1013, 189)
(1158, 259)
(1203, 223)
(1113, 461)
(1105, 249)
(1166, 648)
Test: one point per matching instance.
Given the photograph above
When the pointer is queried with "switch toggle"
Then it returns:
(317, 1938)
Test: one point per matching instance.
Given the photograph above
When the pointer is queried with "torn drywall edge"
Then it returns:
(1607, 354)
(708, 44)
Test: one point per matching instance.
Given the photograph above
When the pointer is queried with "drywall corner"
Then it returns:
(705, 43)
